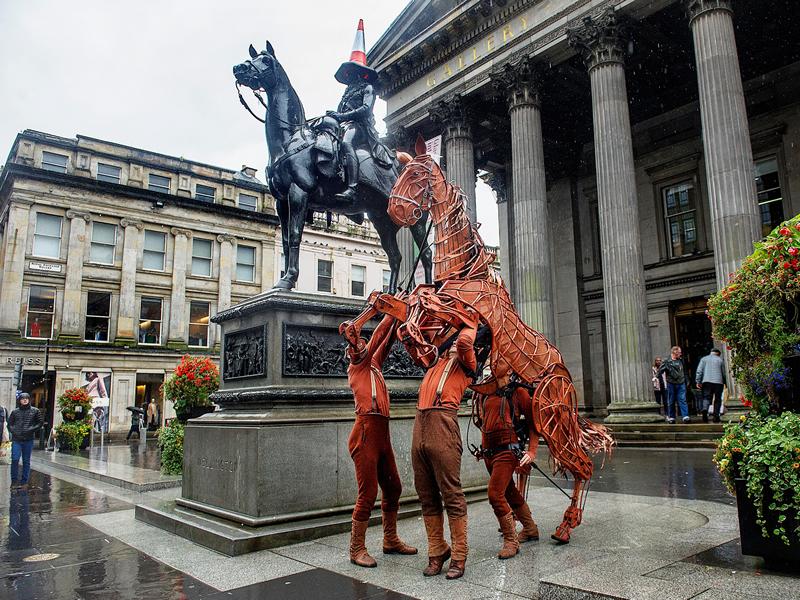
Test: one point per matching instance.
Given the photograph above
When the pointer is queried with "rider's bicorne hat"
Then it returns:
(356, 68)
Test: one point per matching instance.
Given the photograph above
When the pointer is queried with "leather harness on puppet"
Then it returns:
(466, 288)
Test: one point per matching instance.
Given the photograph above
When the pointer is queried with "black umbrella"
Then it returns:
(136, 409)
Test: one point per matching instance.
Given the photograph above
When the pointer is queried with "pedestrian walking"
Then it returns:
(660, 386)
(710, 379)
(675, 372)
(436, 452)
(23, 423)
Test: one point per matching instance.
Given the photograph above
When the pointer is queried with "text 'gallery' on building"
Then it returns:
(637, 148)
(114, 259)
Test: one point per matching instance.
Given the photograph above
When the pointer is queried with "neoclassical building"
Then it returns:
(637, 149)
(113, 259)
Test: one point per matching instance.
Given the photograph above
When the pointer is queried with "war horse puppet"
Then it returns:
(466, 285)
(304, 169)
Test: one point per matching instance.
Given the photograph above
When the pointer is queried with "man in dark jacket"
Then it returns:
(23, 423)
(676, 384)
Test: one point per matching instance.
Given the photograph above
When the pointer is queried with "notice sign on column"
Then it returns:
(433, 147)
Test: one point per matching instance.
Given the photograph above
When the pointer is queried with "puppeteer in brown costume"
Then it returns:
(370, 446)
(503, 455)
(436, 453)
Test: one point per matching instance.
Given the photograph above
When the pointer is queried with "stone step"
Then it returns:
(665, 443)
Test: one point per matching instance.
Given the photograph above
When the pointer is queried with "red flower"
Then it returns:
(190, 376)
(786, 265)
(785, 231)
(794, 251)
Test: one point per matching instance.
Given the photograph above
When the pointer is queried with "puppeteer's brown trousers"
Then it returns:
(371, 450)
(503, 494)
(436, 458)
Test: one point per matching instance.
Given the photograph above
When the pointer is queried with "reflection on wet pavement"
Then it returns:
(667, 473)
(49, 553)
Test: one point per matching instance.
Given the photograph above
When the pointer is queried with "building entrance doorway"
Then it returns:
(148, 397)
(692, 332)
(43, 395)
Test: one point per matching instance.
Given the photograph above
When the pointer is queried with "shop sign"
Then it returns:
(46, 267)
(23, 360)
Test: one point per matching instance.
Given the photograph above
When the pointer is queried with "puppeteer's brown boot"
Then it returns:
(458, 537)
(510, 544)
(358, 549)
(438, 550)
(392, 544)
(530, 531)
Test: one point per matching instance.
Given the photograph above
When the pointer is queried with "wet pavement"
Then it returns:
(48, 551)
(133, 453)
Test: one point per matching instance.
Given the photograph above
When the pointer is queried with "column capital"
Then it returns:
(601, 39)
(400, 138)
(497, 181)
(176, 231)
(519, 82)
(452, 113)
(78, 214)
(132, 223)
(695, 8)
(226, 237)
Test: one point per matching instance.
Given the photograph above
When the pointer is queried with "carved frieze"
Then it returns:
(320, 352)
(245, 353)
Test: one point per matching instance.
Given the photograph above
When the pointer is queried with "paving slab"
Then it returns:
(127, 476)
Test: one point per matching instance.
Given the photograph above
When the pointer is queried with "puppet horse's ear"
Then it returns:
(419, 147)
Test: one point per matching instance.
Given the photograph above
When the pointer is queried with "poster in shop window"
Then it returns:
(98, 386)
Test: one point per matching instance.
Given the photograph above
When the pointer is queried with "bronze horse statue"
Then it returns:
(303, 175)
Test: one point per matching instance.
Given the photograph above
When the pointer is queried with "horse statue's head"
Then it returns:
(414, 192)
(261, 72)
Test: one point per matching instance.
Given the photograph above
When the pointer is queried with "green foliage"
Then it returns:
(765, 451)
(70, 434)
(757, 313)
(193, 380)
(75, 403)
(170, 439)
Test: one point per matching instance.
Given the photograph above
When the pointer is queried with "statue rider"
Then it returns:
(355, 115)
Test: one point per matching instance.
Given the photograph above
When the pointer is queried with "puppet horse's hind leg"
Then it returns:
(556, 419)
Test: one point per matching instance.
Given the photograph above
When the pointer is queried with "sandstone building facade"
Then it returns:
(113, 259)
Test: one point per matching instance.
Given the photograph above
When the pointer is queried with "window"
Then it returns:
(41, 306)
(158, 183)
(150, 321)
(248, 202)
(324, 275)
(104, 240)
(155, 243)
(681, 216)
(47, 237)
(358, 278)
(768, 190)
(54, 162)
(201, 257)
(108, 173)
(204, 193)
(198, 323)
(245, 263)
(98, 314)
(387, 275)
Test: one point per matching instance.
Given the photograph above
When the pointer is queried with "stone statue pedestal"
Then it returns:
(272, 466)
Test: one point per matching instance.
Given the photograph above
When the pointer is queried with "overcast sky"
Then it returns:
(157, 74)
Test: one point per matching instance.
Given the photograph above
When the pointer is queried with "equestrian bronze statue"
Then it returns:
(334, 163)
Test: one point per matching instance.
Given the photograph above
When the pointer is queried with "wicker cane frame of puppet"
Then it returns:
(519, 354)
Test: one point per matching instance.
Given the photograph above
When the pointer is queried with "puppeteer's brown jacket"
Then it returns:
(444, 384)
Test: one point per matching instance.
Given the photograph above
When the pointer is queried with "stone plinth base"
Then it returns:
(255, 480)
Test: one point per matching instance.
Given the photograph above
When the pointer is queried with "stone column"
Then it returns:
(458, 149)
(131, 248)
(532, 244)
(600, 41)
(497, 181)
(72, 315)
(225, 270)
(726, 136)
(15, 239)
(177, 311)
(735, 223)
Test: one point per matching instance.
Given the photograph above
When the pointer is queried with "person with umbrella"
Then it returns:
(137, 414)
